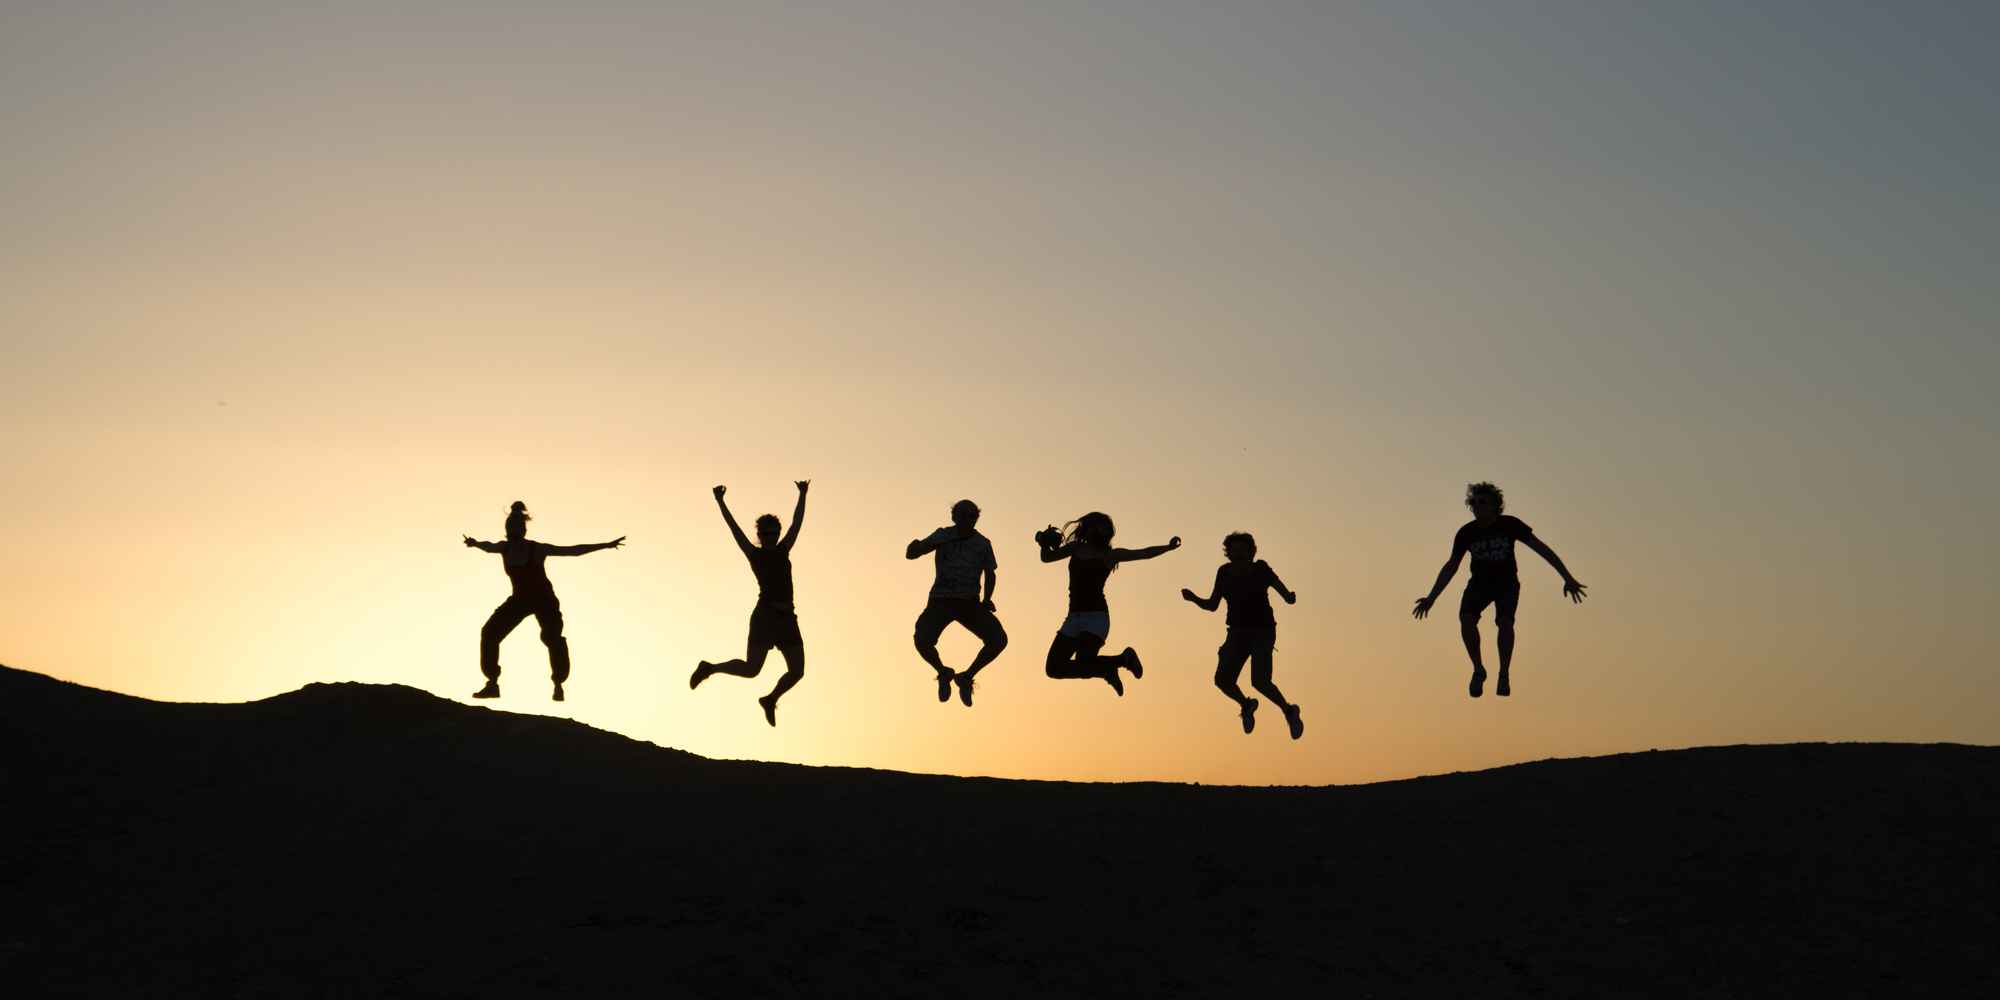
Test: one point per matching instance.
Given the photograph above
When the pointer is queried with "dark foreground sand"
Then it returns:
(354, 840)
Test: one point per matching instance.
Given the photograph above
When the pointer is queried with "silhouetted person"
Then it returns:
(773, 622)
(1245, 582)
(964, 557)
(1489, 539)
(1087, 545)
(532, 595)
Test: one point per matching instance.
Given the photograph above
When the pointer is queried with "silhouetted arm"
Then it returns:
(584, 550)
(921, 547)
(1054, 549)
(1279, 585)
(730, 519)
(1149, 552)
(798, 517)
(1571, 588)
(473, 543)
(1214, 598)
(992, 581)
(1444, 579)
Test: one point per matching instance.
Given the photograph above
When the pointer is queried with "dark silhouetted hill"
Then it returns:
(353, 840)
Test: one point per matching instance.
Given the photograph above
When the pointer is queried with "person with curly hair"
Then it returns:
(1489, 539)
(773, 622)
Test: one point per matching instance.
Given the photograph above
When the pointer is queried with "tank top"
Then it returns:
(524, 562)
(1086, 585)
(773, 567)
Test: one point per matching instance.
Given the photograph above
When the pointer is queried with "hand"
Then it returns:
(1423, 607)
(1174, 542)
(1291, 597)
(1573, 590)
(988, 606)
(616, 543)
(720, 490)
(1189, 595)
(470, 543)
(802, 484)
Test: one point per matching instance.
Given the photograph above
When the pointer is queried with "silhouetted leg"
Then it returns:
(551, 621)
(993, 638)
(509, 614)
(1229, 660)
(1503, 621)
(750, 666)
(795, 669)
(1062, 660)
(930, 625)
(1260, 677)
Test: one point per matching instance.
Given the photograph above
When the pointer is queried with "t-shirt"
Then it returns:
(1491, 546)
(524, 562)
(773, 567)
(960, 561)
(1248, 591)
(1086, 584)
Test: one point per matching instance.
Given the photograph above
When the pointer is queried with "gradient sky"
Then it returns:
(292, 297)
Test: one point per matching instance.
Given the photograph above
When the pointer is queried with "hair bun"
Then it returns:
(520, 507)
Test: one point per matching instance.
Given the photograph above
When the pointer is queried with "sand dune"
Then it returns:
(357, 840)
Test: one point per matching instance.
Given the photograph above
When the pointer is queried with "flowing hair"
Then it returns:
(1093, 530)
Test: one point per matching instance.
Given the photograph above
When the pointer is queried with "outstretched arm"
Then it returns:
(798, 517)
(1571, 588)
(1054, 549)
(919, 548)
(584, 550)
(1279, 586)
(730, 519)
(1209, 603)
(474, 543)
(1149, 552)
(1444, 578)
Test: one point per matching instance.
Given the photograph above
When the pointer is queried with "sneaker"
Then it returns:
(558, 695)
(1250, 715)
(944, 685)
(1477, 686)
(965, 683)
(1117, 685)
(1500, 687)
(702, 671)
(770, 709)
(1131, 658)
(1293, 719)
(491, 690)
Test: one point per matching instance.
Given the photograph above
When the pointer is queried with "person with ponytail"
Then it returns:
(1086, 543)
(533, 595)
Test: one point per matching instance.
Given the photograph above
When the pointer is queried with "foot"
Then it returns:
(1500, 687)
(770, 709)
(491, 690)
(1131, 658)
(944, 685)
(558, 694)
(1292, 719)
(1117, 685)
(965, 682)
(1249, 714)
(702, 671)
(1477, 686)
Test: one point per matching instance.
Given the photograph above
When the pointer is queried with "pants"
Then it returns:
(548, 614)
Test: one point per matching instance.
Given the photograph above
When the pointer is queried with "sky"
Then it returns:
(294, 296)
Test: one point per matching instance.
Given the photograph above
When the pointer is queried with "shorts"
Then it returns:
(774, 626)
(1244, 641)
(972, 614)
(1080, 623)
(1503, 594)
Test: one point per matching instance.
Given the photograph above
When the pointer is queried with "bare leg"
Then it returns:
(1468, 629)
(795, 668)
(1503, 687)
(750, 666)
(994, 642)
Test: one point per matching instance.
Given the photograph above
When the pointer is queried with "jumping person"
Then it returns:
(1245, 581)
(773, 622)
(1490, 538)
(533, 595)
(1087, 545)
(964, 556)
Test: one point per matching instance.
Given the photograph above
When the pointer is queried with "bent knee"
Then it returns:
(998, 642)
(1468, 618)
